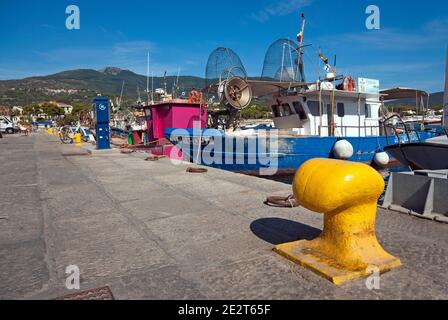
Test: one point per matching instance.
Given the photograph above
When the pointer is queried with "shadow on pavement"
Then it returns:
(277, 231)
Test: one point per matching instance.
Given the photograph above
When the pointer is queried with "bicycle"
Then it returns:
(67, 134)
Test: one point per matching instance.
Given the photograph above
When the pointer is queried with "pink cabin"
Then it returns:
(178, 114)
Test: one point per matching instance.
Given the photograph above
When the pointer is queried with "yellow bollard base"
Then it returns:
(299, 253)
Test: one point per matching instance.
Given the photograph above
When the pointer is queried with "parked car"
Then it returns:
(7, 126)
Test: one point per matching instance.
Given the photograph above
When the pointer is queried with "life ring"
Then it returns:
(194, 97)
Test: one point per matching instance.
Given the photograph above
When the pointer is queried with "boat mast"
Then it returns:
(152, 87)
(445, 97)
(332, 123)
(147, 81)
(165, 85)
(121, 95)
(139, 99)
(300, 39)
(176, 84)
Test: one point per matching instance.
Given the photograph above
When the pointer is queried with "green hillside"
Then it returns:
(84, 84)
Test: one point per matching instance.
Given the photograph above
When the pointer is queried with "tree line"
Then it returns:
(50, 111)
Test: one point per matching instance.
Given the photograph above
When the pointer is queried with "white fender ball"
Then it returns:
(343, 150)
(381, 158)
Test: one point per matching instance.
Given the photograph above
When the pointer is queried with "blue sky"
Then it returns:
(409, 49)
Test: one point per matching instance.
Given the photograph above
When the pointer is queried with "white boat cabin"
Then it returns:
(355, 114)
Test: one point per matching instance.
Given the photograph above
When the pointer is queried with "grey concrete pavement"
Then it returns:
(149, 230)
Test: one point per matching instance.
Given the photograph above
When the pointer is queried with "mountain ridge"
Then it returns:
(81, 85)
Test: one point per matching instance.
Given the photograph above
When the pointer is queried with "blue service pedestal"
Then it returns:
(102, 115)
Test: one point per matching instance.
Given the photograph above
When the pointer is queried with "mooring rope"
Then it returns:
(282, 202)
(154, 158)
(196, 170)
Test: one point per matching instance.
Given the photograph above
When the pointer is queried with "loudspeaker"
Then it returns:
(237, 93)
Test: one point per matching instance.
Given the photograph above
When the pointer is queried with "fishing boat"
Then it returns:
(332, 117)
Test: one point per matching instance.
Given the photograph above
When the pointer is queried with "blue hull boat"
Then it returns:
(278, 156)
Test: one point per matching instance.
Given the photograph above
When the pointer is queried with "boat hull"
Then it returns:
(421, 156)
(285, 159)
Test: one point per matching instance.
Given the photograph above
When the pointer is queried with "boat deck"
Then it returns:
(149, 230)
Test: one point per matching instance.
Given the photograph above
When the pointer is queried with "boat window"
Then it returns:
(368, 110)
(314, 108)
(286, 110)
(277, 110)
(300, 110)
(341, 110)
(148, 113)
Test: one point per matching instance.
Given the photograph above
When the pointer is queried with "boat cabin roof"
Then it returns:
(261, 88)
(402, 93)
(173, 103)
(343, 94)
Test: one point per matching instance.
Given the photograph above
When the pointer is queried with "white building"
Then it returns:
(19, 111)
(68, 109)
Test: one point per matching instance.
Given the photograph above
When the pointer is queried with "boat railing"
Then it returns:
(398, 128)
(363, 131)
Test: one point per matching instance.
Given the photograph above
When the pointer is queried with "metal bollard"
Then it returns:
(78, 139)
(347, 194)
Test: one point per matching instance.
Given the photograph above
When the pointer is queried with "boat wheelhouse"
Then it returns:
(311, 113)
(172, 113)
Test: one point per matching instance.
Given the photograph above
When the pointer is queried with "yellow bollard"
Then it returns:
(50, 131)
(78, 139)
(347, 194)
